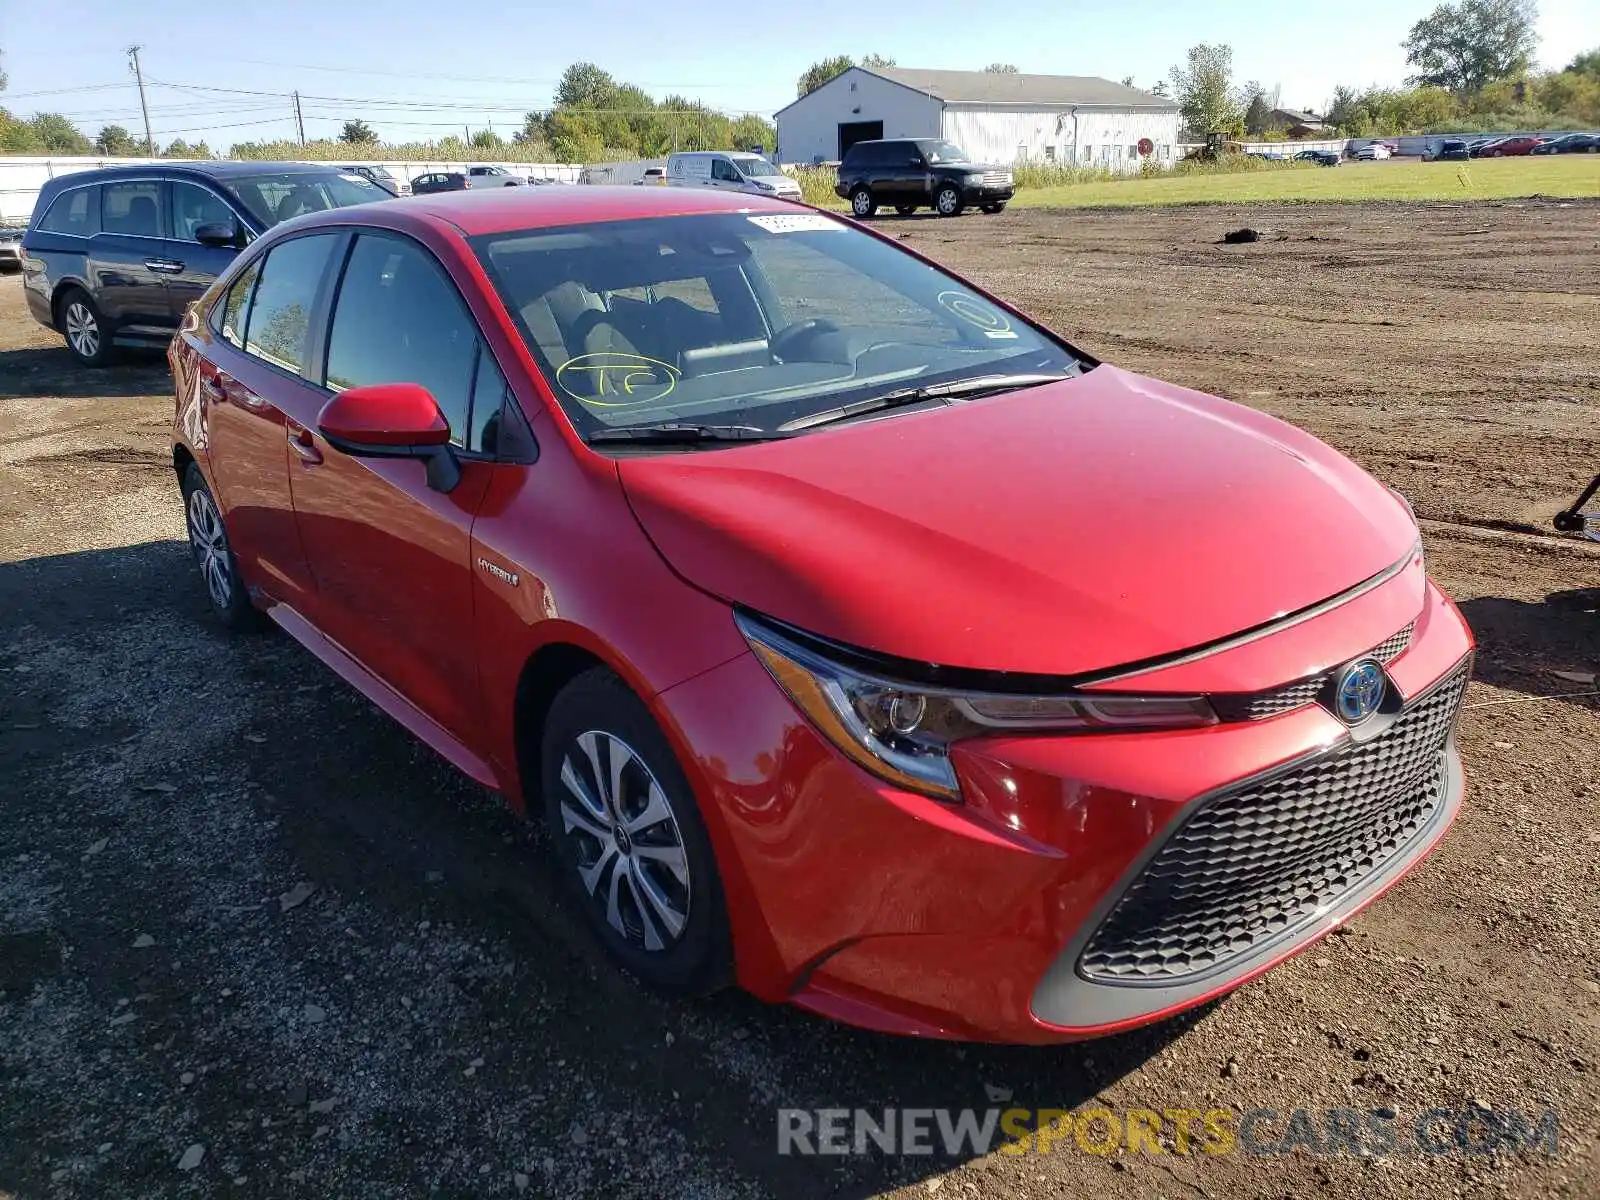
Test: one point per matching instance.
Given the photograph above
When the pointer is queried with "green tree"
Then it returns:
(584, 85)
(750, 132)
(58, 135)
(358, 133)
(1001, 69)
(1587, 63)
(873, 61)
(1206, 99)
(1258, 109)
(1463, 47)
(115, 140)
(178, 148)
(1342, 108)
(819, 73)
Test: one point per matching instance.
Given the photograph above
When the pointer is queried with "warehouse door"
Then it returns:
(851, 132)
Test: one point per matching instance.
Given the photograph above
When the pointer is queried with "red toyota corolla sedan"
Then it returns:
(860, 641)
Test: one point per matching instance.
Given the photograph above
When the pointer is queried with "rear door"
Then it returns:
(392, 556)
(255, 371)
(128, 263)
(190, 206)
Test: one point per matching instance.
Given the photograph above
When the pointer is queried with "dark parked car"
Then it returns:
(914, 173)
(439, 181)
(494, 177)
(117, 255)
(1453, 151)
(1324, 158)
(378, 175)
(1569, 143)
(1480, 147)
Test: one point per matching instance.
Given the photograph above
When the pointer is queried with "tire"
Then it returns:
(219, 569)
(80, 322)
(991, 209)
(862, 204)
(905, 210)
(947, 202)
(610, 847)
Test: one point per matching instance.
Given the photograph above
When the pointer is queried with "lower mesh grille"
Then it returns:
(1257, 861)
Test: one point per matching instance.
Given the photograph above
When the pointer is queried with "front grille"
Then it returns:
(997, 179)
(1255, 862)
(1258, 706)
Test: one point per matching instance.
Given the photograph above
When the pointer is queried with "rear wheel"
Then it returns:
(862, 204)
(629, 840)
(213, 553)
(947, 202)
(79, 319)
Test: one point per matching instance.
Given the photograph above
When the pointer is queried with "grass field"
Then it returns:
(1482, 179)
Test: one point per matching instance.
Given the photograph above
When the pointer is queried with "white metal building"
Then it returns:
(994, 117)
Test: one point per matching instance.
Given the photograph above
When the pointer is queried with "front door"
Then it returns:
(391, 556)
(128, 261)
(193, 205)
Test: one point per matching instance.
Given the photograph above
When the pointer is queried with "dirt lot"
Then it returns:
(427, 1021)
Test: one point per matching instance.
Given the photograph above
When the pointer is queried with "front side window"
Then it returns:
(194, 206)
(278, 326)
(282, 196)
(76, 212)
(131, 209)
(722, 169)
(746, 319)
(399, 319)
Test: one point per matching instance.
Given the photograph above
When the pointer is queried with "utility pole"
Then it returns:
(133, 56)
(299, 120)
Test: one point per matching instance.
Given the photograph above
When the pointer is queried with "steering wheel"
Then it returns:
(791, 338)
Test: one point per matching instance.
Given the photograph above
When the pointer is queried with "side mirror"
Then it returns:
(392, 420)
(218, 233)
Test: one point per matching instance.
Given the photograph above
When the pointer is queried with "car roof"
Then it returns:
(208, 170)
(502, 210)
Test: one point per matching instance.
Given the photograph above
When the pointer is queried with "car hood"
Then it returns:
(1068, 528)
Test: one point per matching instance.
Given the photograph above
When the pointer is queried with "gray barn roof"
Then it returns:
(994, 87)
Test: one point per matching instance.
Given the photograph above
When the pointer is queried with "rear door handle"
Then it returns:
(303, 444)
(164, 266)
(215, 386)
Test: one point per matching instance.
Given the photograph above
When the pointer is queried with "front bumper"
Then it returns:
(900, 913)
(988, 193)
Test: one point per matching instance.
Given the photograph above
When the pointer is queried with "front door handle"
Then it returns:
(303, 444)
(164, 266)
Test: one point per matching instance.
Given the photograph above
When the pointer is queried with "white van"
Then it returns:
(730, 170)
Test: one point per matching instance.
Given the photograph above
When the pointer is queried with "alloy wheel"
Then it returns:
(210, 543)
(83, 331)
(630, 852)
(948, 202)
(862, 204)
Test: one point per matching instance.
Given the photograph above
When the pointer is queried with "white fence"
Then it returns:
(22, 177)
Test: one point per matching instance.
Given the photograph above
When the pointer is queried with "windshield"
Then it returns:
(278, 197)
(943, 152)
(738, 318)
(756, 166)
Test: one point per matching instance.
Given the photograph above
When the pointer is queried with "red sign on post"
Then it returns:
(1146, 147)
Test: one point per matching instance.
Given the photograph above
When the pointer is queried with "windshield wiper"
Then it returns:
(685, 433)
(982, 384)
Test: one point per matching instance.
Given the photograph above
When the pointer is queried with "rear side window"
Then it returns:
(399, 319)
(76, 212)
(229, 317)
(279, 324)
(132, 209)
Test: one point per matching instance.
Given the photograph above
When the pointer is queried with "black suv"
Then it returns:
(913, 173)
(118, 255)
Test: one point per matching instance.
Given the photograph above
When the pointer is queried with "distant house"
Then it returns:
(1298, 124)
(999, 118)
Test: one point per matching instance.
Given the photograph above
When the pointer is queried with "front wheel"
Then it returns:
(947, 202)
(629, 840)
(994, 208)
(862, 203)
(88, 339)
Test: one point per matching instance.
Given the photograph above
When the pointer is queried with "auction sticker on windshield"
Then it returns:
(794, 222)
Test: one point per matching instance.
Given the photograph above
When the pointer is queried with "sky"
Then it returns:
(420, 70)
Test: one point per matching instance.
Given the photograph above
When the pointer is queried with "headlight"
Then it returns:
(902, 732)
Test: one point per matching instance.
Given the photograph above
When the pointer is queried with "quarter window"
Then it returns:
(398, 319)
(279, 324)
(76, 212)
(132, 209)
(233, 312)
(194, 206)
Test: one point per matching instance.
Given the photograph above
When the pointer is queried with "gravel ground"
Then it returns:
(255, 941)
